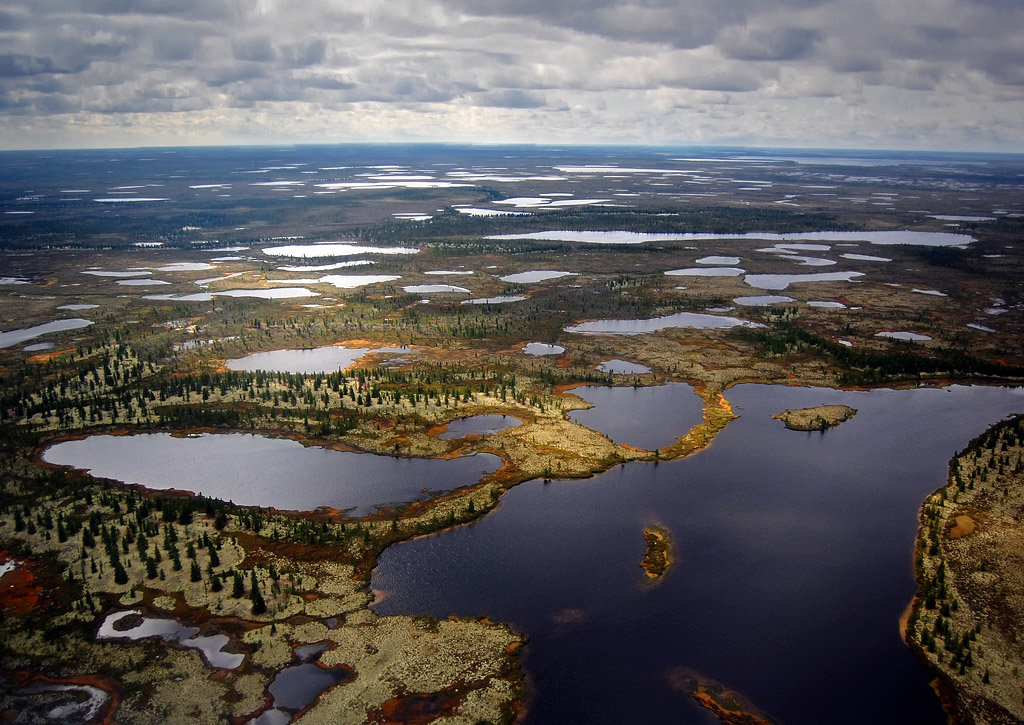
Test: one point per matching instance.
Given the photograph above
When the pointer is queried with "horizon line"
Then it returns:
(531, 144)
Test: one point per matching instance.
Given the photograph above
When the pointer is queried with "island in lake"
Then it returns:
(820, 417)
(660, 555)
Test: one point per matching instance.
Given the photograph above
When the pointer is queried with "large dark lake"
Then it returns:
(794, 565)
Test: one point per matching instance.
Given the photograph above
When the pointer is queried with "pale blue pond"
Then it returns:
(255, 470)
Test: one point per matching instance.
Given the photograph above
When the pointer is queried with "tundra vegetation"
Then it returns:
(78, 549)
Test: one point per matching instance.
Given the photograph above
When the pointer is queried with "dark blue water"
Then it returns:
(649, 417)
(794, 565)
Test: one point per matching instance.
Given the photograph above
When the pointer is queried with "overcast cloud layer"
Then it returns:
(945, 74)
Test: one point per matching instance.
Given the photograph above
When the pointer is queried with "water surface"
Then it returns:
(479, 425)
(542, 348)
(326, 359)
(255, 470)
(794, 565)
(13, 337)
(650, 417)
(622, 367)
(924, 239)
(695, 320)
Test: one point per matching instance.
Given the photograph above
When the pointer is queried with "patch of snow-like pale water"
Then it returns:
(128, 273)
(706, 272)
(622, 367)
(972, 325)
(474, 211)
(540, 202)
(326, 359)
(864, 257)
(962, 218)
(542, 348)
(378, 185)
(501, 299)
(694, 320)
(903, 335)
(13, 280)
(932, 292)
(426, 289)
(535, 276)
(186, 267)
(444, 272)
(339, 249)
(281, 293)
(609, 169)
(808, 261)
(782, 281)
(913, 238)
(727, 261)
(13, 337)
(77, 307)
(125, 199)
(324, 267)
(171, 630)
(351, 281)
(790, 248)
(149, 282)
(826, 305)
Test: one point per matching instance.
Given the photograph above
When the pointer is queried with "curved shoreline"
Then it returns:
(962, 623)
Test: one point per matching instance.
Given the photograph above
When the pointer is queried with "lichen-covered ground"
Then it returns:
(968, 619)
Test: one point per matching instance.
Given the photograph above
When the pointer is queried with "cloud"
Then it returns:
(828, 72)
(509, 98)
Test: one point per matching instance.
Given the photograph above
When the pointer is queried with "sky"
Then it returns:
(911, 74)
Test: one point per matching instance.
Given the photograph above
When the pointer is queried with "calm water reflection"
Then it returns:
(651, 417)
(795, 562)
(258, 471)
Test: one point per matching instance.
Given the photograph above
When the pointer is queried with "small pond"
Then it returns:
(326, 359)
(535, 276)
(170, 630)
(499, 300)
(542, 348)
(695, 320)
(13, 337)
(782, 281)
(299, 685)
(313, 251)
(622, 367)
(706, 272)
(427, 289)
(479, 425)
(904, 335)
(255, 470)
